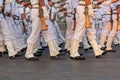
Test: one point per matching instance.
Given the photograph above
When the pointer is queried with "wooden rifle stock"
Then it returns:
(24, 28)
(41, 15)
(44, 26)
(88, 24)
(118, 23)
(74, 22)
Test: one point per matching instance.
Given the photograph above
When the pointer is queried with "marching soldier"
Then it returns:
(41, 18)
(8, 36)
(80, 29)
(69, 20)
(109, 26)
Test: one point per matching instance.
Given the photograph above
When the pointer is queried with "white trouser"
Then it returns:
(112, 33)
(10, 47)
(5, 29)
(80, 31)
(36, 28)
(52, 47)
(1, 42)
(85, 42)
(69, 32)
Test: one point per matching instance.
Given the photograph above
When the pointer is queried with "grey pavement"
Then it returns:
(105, 68)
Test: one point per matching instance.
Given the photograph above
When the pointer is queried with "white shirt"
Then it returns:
(33, 1)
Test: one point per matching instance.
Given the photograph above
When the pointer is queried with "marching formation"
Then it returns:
(28, 27)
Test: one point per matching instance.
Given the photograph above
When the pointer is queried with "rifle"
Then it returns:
(24, 28)
(118, 23)
(87, 19)
(111, 20)
(41, 15)
(23, 23)
(118, 17)
(74, 20)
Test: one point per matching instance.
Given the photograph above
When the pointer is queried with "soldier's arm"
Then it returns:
(114, 1)
(103, 2)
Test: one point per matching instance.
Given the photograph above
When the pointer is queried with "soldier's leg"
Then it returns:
(85, 43)
(51, 41)
(36, 28)
(77, 37)
(112, 34)
(92, 39)
(8, 37)
(104, 33)
(2, 49)
(69, 33)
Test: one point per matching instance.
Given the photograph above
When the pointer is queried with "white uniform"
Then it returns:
(108, 28)
(69, 20)
(80, 31)
(17, 10)
(36, 28)
(8, 36)
(12, 27)
(50, 35)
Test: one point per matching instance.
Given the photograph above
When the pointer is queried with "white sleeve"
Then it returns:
(75, 3)
(106, 3)
(46, 14)
(9, 1)
(90, 11)
(21, 10)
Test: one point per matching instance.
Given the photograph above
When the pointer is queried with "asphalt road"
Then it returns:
(105, 68)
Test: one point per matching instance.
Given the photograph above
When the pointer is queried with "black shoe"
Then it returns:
(81, 54)
(11, 57)
(111, 50)
(33, 59)
(104, 53)
(86, 49)
(116, 44)
(0, 54)
(19, 54)
(5, 52)
(78, 58)
(55, 58)
(24, 49)
(45, 46)
(90, 48)
(67, 51)
(62, 50)
(99, 56)
(39, 51)
(61, 44)
(103, 48)
(60, 54)
(37, 54)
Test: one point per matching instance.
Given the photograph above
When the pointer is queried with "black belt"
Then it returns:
(97, 19)
(82, 4)
(68, 16)
(16, 17)
(35, 7)
(114, 13)
(106, 14)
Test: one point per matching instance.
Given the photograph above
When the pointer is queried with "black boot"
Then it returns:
(0, 54)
